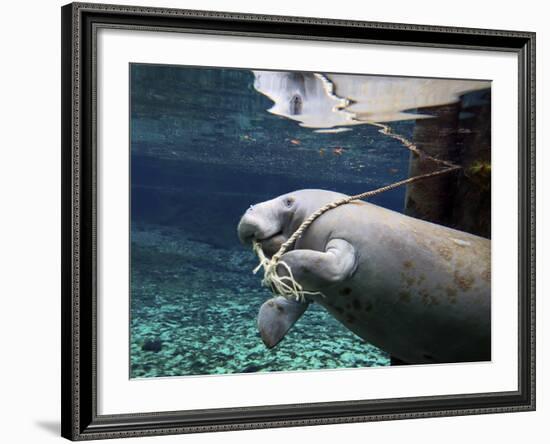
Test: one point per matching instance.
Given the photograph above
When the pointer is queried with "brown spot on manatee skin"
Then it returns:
(356, 304)
(270, 303)
(451, 294)
(404, 296)
(486, 275)
(408, 264)
(427, 298)
(410, 281)
(445, 252)
(280, 308)
(434, 300)
(345, 291)
(463, 281)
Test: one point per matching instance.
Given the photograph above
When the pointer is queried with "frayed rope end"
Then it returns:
(285, 286)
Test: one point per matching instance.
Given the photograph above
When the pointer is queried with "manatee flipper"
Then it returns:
(276, 316)
(316, 269)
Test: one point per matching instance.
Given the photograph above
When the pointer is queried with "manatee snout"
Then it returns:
(247, 230)
(260, 223)
(256, 226)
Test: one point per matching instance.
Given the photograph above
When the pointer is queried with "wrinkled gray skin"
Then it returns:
(417, 290)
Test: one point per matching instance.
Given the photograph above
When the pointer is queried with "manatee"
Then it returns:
(418, 290)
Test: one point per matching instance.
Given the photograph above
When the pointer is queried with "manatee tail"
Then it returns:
(276, 316)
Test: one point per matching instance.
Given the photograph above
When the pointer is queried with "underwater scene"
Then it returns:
(211, 151)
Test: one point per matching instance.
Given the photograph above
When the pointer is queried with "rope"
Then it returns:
(386, 130)
(286, 285)
(283, 285)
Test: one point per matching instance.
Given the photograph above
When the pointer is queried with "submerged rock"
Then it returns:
(251, 369)
(154, 345)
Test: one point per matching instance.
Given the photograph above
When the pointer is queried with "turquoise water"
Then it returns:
(203, 149)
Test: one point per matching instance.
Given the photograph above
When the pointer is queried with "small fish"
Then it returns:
(393, 170)
(295, 142)
(338, 151)
(322, 152)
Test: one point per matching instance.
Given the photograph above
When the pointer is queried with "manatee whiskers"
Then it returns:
(285, 286)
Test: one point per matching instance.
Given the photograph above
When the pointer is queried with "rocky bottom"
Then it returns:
(194, 307)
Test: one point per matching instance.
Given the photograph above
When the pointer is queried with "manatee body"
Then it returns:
(417, 290)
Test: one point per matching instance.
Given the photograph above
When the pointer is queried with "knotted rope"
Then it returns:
(287, 286)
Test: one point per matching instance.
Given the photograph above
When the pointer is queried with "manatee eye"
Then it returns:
(289, 201)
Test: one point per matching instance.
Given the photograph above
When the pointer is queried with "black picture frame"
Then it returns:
(80, 420)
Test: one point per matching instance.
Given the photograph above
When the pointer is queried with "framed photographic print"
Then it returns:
(279, 221)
